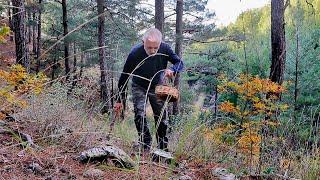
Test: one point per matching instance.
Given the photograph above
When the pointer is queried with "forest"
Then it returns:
(241, 101)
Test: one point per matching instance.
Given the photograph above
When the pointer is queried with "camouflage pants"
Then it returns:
(160, 116)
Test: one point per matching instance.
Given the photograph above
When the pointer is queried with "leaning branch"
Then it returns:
(231, 38)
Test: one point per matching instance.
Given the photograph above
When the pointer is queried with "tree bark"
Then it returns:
(34, 49)
(19, 34)
(178, 48)
(66, 43)
(10, 18)
(54, 66)
(159, 16)
(29, 26)
(102, 55)
(75, 77)
(296, 89)
(39, 38)
(81, 64)
(278, 42)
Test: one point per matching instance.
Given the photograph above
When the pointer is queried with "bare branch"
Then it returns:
(312, 7)
(230, 38)
(286, 4)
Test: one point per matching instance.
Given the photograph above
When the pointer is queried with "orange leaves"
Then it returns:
(17, 82)
(250, 140)
(255, 99)
(4, 31)
(250, 86)
(253, 92)
(228, 107)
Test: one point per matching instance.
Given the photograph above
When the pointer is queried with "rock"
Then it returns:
(223, 174)
(184, 177)
(115, 154)
(159, 155)
(36, 168)
(93, 173)
(2, 123)
(9, 118)
(7, 168)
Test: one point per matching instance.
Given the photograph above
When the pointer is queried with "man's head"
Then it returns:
(151, 41)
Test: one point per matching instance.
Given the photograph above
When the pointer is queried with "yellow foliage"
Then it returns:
(4, 31)
(216, 134)
(256, 99)
(228, 107)
(17, 82)
(251, 90)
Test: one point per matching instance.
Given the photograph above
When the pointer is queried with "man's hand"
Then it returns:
(168, 73)
(117, 109)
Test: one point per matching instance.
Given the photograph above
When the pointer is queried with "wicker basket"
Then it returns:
(167, 93)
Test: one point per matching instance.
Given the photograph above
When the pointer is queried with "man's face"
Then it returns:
(151, 46)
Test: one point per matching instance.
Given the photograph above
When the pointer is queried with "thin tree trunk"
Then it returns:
(34, 48)
(81, 64)
(66, 43)
(10, 18)
(178, 48)
(74, 81)
(296, 90)
(39, 38)
(29, 26)
(278, 42)
(159, 16)
(102, 55)
(19, 34)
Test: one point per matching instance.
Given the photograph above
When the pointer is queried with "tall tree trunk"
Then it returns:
(278, 42)
(55, 61)
(159, 16)
(38, 51)
(102, 55)
(19, 34)
(178, 48)
(66, 43)
(81, 64)
(74, 72)
(10, 18)
(296, 89)
(29, 25)
(34, 49)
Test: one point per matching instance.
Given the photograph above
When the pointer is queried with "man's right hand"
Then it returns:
(117, 108)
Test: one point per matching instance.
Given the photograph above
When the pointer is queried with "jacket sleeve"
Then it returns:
(124, 77)
(175, 60)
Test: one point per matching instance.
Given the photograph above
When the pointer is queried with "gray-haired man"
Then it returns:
(147, 61)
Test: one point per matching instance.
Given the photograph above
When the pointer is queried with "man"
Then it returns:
(146, 62)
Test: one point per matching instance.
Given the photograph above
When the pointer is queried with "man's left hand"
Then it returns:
(168, 73)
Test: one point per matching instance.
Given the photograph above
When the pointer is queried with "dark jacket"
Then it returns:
(148, 68)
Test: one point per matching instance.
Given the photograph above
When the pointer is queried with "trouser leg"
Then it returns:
(139, 95)
(161, 121)
(143, 131)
